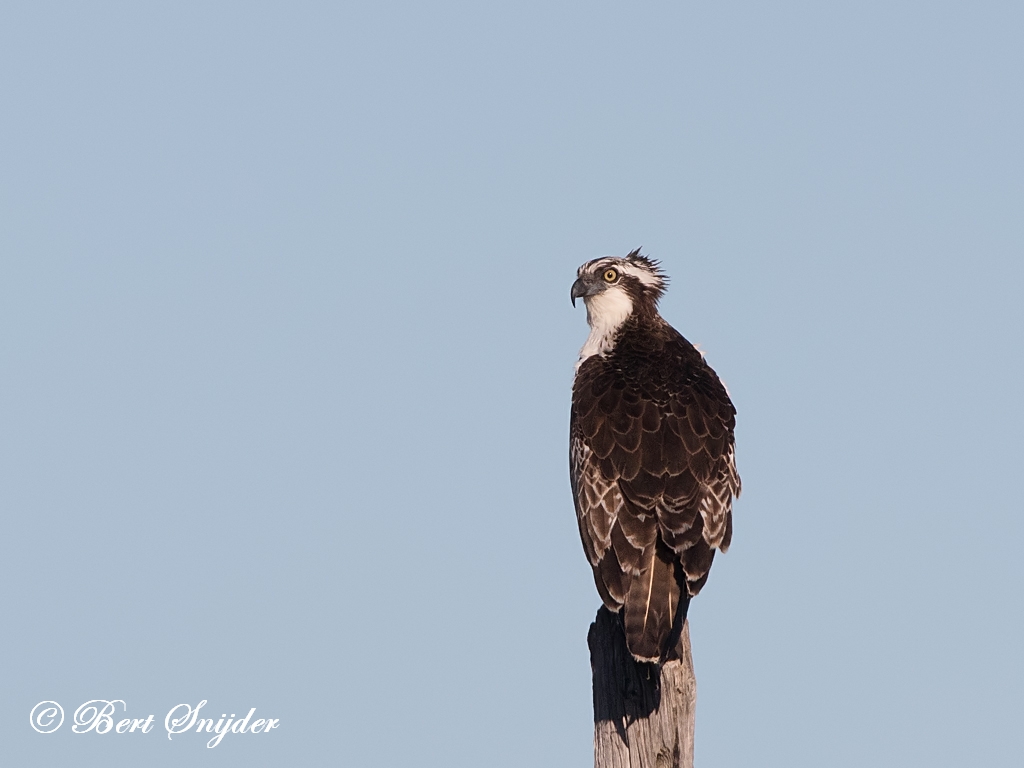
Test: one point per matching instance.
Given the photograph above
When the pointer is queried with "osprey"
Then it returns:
(651, 459)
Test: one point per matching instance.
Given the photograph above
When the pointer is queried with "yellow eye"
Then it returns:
(610, 275)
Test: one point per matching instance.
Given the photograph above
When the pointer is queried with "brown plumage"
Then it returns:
(652, 458)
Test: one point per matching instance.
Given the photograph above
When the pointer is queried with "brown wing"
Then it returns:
(653, 479)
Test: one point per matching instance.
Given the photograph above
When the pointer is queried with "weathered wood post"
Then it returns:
(643, 713)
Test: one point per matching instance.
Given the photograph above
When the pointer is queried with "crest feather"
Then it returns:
(652, 265)
(648, 271)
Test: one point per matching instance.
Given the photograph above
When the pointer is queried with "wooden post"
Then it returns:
(643, 713)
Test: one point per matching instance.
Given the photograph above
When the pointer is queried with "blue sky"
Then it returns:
(288, 347)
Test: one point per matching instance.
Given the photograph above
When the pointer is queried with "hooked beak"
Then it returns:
(581, 289)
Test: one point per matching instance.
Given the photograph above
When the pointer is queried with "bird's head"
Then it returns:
(614, 287)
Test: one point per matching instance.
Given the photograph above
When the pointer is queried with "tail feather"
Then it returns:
(655, 605)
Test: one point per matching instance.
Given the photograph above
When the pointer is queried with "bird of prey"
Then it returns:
(652, 454)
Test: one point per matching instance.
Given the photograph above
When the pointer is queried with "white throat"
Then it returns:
(606, 312)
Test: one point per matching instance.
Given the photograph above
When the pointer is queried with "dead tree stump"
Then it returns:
(643, 713)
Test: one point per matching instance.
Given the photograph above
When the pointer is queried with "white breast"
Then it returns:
(606, 312)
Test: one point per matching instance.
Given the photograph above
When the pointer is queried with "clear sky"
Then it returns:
(287, 351)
